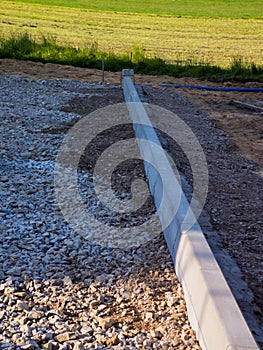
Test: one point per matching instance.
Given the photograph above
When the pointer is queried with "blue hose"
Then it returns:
(209, 88)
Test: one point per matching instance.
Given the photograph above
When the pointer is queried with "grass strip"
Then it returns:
(25, 47)
(212, 40)
(193, 8)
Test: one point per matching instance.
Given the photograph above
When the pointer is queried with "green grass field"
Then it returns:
(203, 39)
(193, 8)
(213, 40)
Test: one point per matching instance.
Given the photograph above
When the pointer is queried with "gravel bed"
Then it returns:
(57, 290)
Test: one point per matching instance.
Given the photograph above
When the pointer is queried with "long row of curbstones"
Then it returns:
(213, 311)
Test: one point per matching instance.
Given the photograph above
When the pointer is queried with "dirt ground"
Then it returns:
(244, 126)
(236, 170)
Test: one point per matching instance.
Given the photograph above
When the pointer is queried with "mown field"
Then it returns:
(202, 39)
(193, 8)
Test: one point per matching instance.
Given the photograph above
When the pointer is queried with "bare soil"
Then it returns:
(235, 160)
(244, 127)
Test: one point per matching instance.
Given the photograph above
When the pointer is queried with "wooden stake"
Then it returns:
(102, 68)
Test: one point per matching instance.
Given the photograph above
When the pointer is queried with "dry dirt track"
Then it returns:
(235, 202)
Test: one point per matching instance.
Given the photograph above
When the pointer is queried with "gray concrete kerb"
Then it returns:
(213, 311)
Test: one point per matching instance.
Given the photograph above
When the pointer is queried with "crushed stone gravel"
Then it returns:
(57, 290)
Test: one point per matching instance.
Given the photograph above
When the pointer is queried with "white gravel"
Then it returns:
(57, 290)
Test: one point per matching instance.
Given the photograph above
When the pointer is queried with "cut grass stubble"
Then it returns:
(187, 46)
(193, 8)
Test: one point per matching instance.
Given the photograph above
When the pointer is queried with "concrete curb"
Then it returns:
(213, 312)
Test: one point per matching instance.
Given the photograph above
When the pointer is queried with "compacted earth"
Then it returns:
(60, 291)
